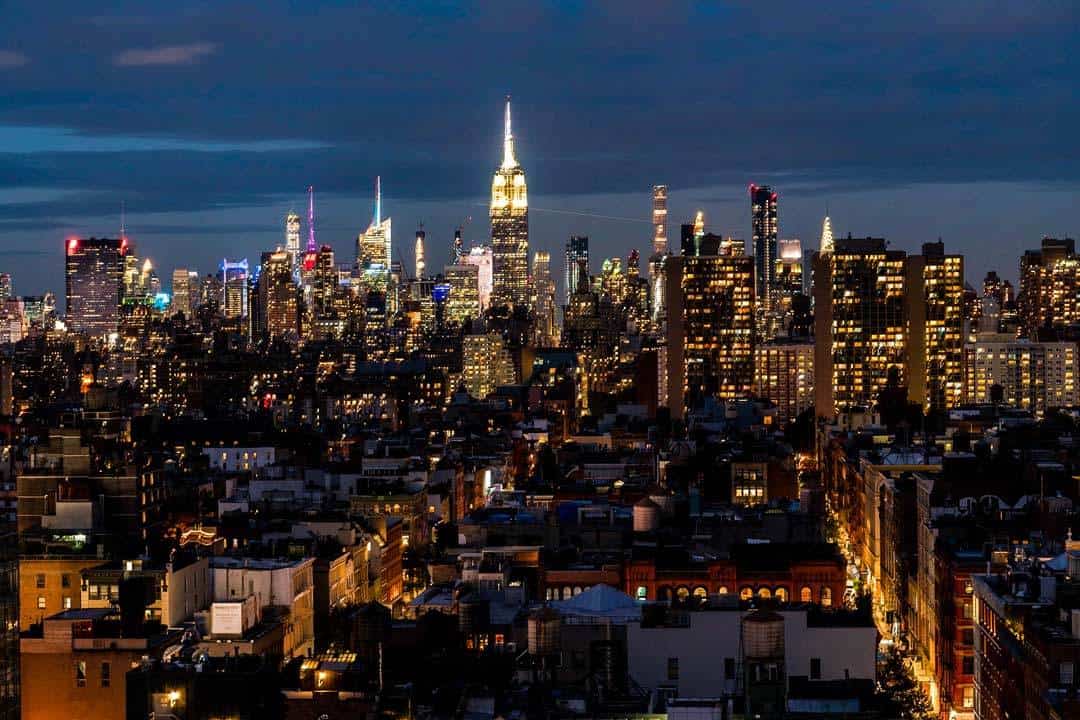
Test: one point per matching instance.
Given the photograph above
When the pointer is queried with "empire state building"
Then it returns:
(509, 227)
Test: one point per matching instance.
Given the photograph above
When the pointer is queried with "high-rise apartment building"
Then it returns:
(860, 322)
(185, 292)
(510, 226)
(463, 303)
(481, 257)
(788, 274)
(1049, 299)
(659, 219)
(1033, 376)
(764, 230)
(486, 364)
(543, 301)
(935, 327)
(278, 296)
(784, 374)
(710, 325)
(94, 271)
(577, 252)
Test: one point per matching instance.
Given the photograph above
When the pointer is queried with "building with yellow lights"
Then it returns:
(710, 325)
(935, 326)
(860, 322)
(486, 364)
(784, 374)
(1033, 376)
(509, 227)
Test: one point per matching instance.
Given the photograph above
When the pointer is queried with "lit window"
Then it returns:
(41, 602)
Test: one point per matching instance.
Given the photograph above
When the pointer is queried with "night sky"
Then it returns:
(908, 120)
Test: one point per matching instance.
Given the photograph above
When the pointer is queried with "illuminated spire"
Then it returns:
(311, 219)
(509, 161)
(378, 200)
(826, 236)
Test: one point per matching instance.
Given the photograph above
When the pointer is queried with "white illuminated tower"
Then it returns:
(826, 236)
(510, 226)
(419, 253)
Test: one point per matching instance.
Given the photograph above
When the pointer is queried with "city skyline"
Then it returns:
(220, 169)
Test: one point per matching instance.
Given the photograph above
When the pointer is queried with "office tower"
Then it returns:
(659, 219)
(94, 269)
(292, 239)
(463, 302)
(1034, 376)
(509, 226)
(278, 296)
(373, 246)
(591, 328)
(185, 288)
(577, 252)
(788, 275)
(826, 244)
(5, 286)
(234, 282)
(764, 229)
(482, 257)
(710, 326)
(784, 374)
(935, 326)
(860, 323)
(1049, 298)
(457, 252)
(543, 301)
(418, 253)
(486, 364)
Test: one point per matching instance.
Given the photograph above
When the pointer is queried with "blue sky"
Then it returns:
(907, 120)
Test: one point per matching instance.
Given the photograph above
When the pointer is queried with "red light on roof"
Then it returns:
(123, 245)
(753, 187)
(72, 244)
(774, 196)
(309, 261)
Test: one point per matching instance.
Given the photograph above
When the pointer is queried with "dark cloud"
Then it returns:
(824, 100)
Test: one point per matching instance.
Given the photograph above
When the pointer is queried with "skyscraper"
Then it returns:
(860, 322)
(788, 274)
(710, 323)
(935, 322)
(659, 219)
(373, 246)
(577, 252)
(418, 253)
(292, 239)
(1049, 288)
(509, 226)
(279, 296)
(543, 300)
(185, 291)
(764, 229)
(463, 303)
(234, 280)
(94, 272)
(482, 257)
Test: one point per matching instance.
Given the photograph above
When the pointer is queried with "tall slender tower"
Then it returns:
(292, 238)
(763, 228)
(373, 246)
(577, 252)
(659, 219)
(510, 226)
(311, 220)
(419, 252)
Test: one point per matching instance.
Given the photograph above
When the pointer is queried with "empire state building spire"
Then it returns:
(509, 161)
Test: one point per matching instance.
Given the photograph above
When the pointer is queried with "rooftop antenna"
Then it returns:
(311, 219)
(378, 200)
(122, 233)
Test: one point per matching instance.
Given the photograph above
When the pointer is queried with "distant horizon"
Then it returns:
(208, 122)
